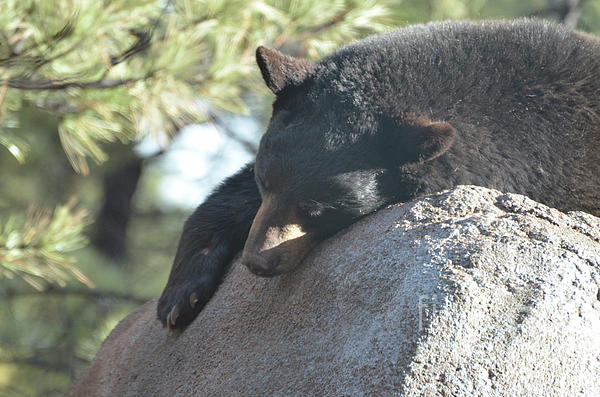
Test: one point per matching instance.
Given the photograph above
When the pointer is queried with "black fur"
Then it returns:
(508, 105)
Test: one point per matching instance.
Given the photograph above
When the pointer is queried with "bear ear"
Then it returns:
(422, 139)
(281, 71)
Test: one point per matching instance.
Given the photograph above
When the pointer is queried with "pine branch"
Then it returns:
(21, 83)
(50, 41)
(282, 41)
(38, 249)
(46, 61)
(142, 43)
(246, 144)
(10, 293)
(330, 24)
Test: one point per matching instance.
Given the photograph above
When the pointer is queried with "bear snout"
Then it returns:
(259, 265)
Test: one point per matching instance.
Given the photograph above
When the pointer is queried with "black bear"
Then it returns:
(508, 105)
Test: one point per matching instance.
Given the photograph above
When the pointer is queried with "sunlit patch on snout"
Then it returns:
(278, 235)
(272, 250)
(280, 251)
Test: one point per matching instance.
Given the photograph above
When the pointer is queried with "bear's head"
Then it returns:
(329, 156)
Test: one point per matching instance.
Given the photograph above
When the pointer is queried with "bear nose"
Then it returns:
(259, 265)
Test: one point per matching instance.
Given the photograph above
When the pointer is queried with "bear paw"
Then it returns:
(179, 304)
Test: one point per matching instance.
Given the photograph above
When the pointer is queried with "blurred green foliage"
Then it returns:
(37, 250)
(80, 78)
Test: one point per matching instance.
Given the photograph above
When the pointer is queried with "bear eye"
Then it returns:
(311, 208)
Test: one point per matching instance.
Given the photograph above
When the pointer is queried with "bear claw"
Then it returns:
(193, 299)
(172, 317)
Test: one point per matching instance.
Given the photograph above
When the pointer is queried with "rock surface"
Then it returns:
(470, 291)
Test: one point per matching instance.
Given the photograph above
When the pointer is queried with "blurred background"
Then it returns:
(117, 117)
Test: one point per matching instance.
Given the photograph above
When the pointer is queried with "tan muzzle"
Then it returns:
(277, 242)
